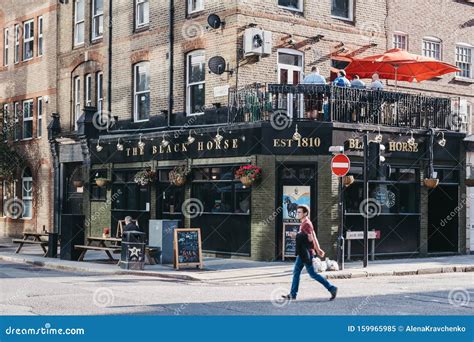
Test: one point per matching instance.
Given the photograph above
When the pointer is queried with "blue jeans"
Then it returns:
(312, 273)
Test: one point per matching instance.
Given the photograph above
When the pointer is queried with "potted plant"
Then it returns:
(431, 183)
(248, 174)
(178, 175)
(101, 182)
(145, 177)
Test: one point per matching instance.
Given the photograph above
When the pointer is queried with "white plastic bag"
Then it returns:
(332, 265)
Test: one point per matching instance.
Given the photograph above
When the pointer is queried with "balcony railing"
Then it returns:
(345, 105)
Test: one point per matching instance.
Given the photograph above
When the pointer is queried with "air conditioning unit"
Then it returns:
(257, 42)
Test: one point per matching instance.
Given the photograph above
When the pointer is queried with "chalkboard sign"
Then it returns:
(289, 239)
(187, 247)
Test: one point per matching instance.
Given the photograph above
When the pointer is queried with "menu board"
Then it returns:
(289, 239)
(187, 247)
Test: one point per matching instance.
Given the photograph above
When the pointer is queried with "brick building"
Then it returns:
(27, 99)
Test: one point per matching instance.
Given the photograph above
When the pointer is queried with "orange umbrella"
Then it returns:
(399, 65)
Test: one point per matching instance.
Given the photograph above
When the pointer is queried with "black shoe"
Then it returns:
(333, 293)
(288, 297)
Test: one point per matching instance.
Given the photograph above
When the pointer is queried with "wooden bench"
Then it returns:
(100, 246)
(31, 238)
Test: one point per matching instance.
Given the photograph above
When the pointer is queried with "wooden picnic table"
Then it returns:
(32, 238)
(99, 244)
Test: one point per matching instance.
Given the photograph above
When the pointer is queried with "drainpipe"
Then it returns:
(171, 62)
(109, 81)
(430, 168)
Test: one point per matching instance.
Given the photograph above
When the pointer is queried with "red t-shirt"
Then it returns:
(307, 228)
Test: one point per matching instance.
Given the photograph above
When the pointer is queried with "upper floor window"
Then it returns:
(142, 16)
(195, 82)
(77, 100)
(39, 110)
(100, 91)
(28, 119)
(400, 40)
(27, 193)
(28, 39)
(88, 89)
(40, 36)
(17, 44)
(5, 122)
(141, 91)
(5, 47)
(432, 47)
(343, 9)
(78, 22)
(464, 60)
(195, 5)
(16, 123)
(291, 4)
(97, 19)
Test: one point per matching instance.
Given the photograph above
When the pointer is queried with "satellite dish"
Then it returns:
(214, 21)
(217, 65)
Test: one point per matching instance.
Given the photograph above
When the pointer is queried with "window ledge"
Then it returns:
(141, 29)
(97, 40)
(292, 9)
(348, 20)
(463, 79)
(195, 14)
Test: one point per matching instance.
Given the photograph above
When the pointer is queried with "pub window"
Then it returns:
(97, 19)
(78, 22)
(5, 46)
(129, 195)
(98, 193)
(17, 44)
(141, 90)
(77, 100)
(5, 128)
(195, 82)
(142, 13)
(28, 119)
(27, 193)
(16, 123)
(28, 39)
(294, 5)
(39, 109)
(40, 36)
(195, 6)
(343, 9)
(88, 89)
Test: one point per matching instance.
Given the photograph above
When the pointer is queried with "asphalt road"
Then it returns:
(29, 290)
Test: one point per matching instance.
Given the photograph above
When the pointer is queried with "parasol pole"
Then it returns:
(396, 78)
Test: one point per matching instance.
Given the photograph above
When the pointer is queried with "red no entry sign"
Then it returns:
(340, 165)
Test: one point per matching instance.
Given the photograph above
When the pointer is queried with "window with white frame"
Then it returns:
(400, 40)
(195, 82)
(464, 60)
(5, 194)
(5, 122)
(39, 110)
(141, 91)
(40, 36)
(88, 89)
(28, 119)
(5, 46)
(27, 193)
(432, 47)
(17, 44)
(100, 91)
(195, 6)
(77, 100)
(28, 39)
(16, 123)
(343, 9)
(97, 18)
(295, 5)
(142, 13)
(78, 22)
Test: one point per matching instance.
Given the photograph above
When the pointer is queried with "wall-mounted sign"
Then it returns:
(293, 196)
(289, 239)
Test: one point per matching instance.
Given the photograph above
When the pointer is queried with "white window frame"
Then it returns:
(396, 42)
(189, 57)
(77, 100)
(5, 46)
(5, 186)
(198, 8)
(138, 93)
(100, 91)
(28, 39)
(5, 121)
(435, 42)
(40, 36)
(39, 117)
(299, 9)
(351, 12)
(79, 23)
(146, 18)
(16, 122)
(97, 19)
(27, 199)
(88, 90)
(16, 57)
(28, 118)
(470, 63)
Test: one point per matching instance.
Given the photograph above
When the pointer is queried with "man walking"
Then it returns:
(306, 242)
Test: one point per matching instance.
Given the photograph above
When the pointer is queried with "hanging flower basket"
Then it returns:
(347, 180)
(178, 175)
(431, 183)
(101, 182)
(145, 177)
(248, 174)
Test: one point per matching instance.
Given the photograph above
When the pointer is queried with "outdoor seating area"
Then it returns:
(32, 238)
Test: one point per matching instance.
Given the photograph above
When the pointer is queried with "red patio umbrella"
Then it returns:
(399, 65)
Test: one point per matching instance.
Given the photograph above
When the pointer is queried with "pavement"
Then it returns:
(232, 270)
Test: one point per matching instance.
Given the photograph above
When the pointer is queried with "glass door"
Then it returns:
(290, 71)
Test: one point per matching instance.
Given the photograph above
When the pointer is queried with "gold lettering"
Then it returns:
(218, 146)
(209, 145)
(235, 143)
(154, 149)
(226, 144)
(142, 150)
(176, 147)
(275, 143)
(135, 151)
(317, 142)
(415, 147)
(184, 147)
(128, 152)
(168, 149)
(200, 146)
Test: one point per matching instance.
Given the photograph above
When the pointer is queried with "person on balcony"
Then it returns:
(314, 102)
(357, 83)
(376, 83)
(341, 80)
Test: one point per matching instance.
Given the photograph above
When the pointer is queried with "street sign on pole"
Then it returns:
(340, 165)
